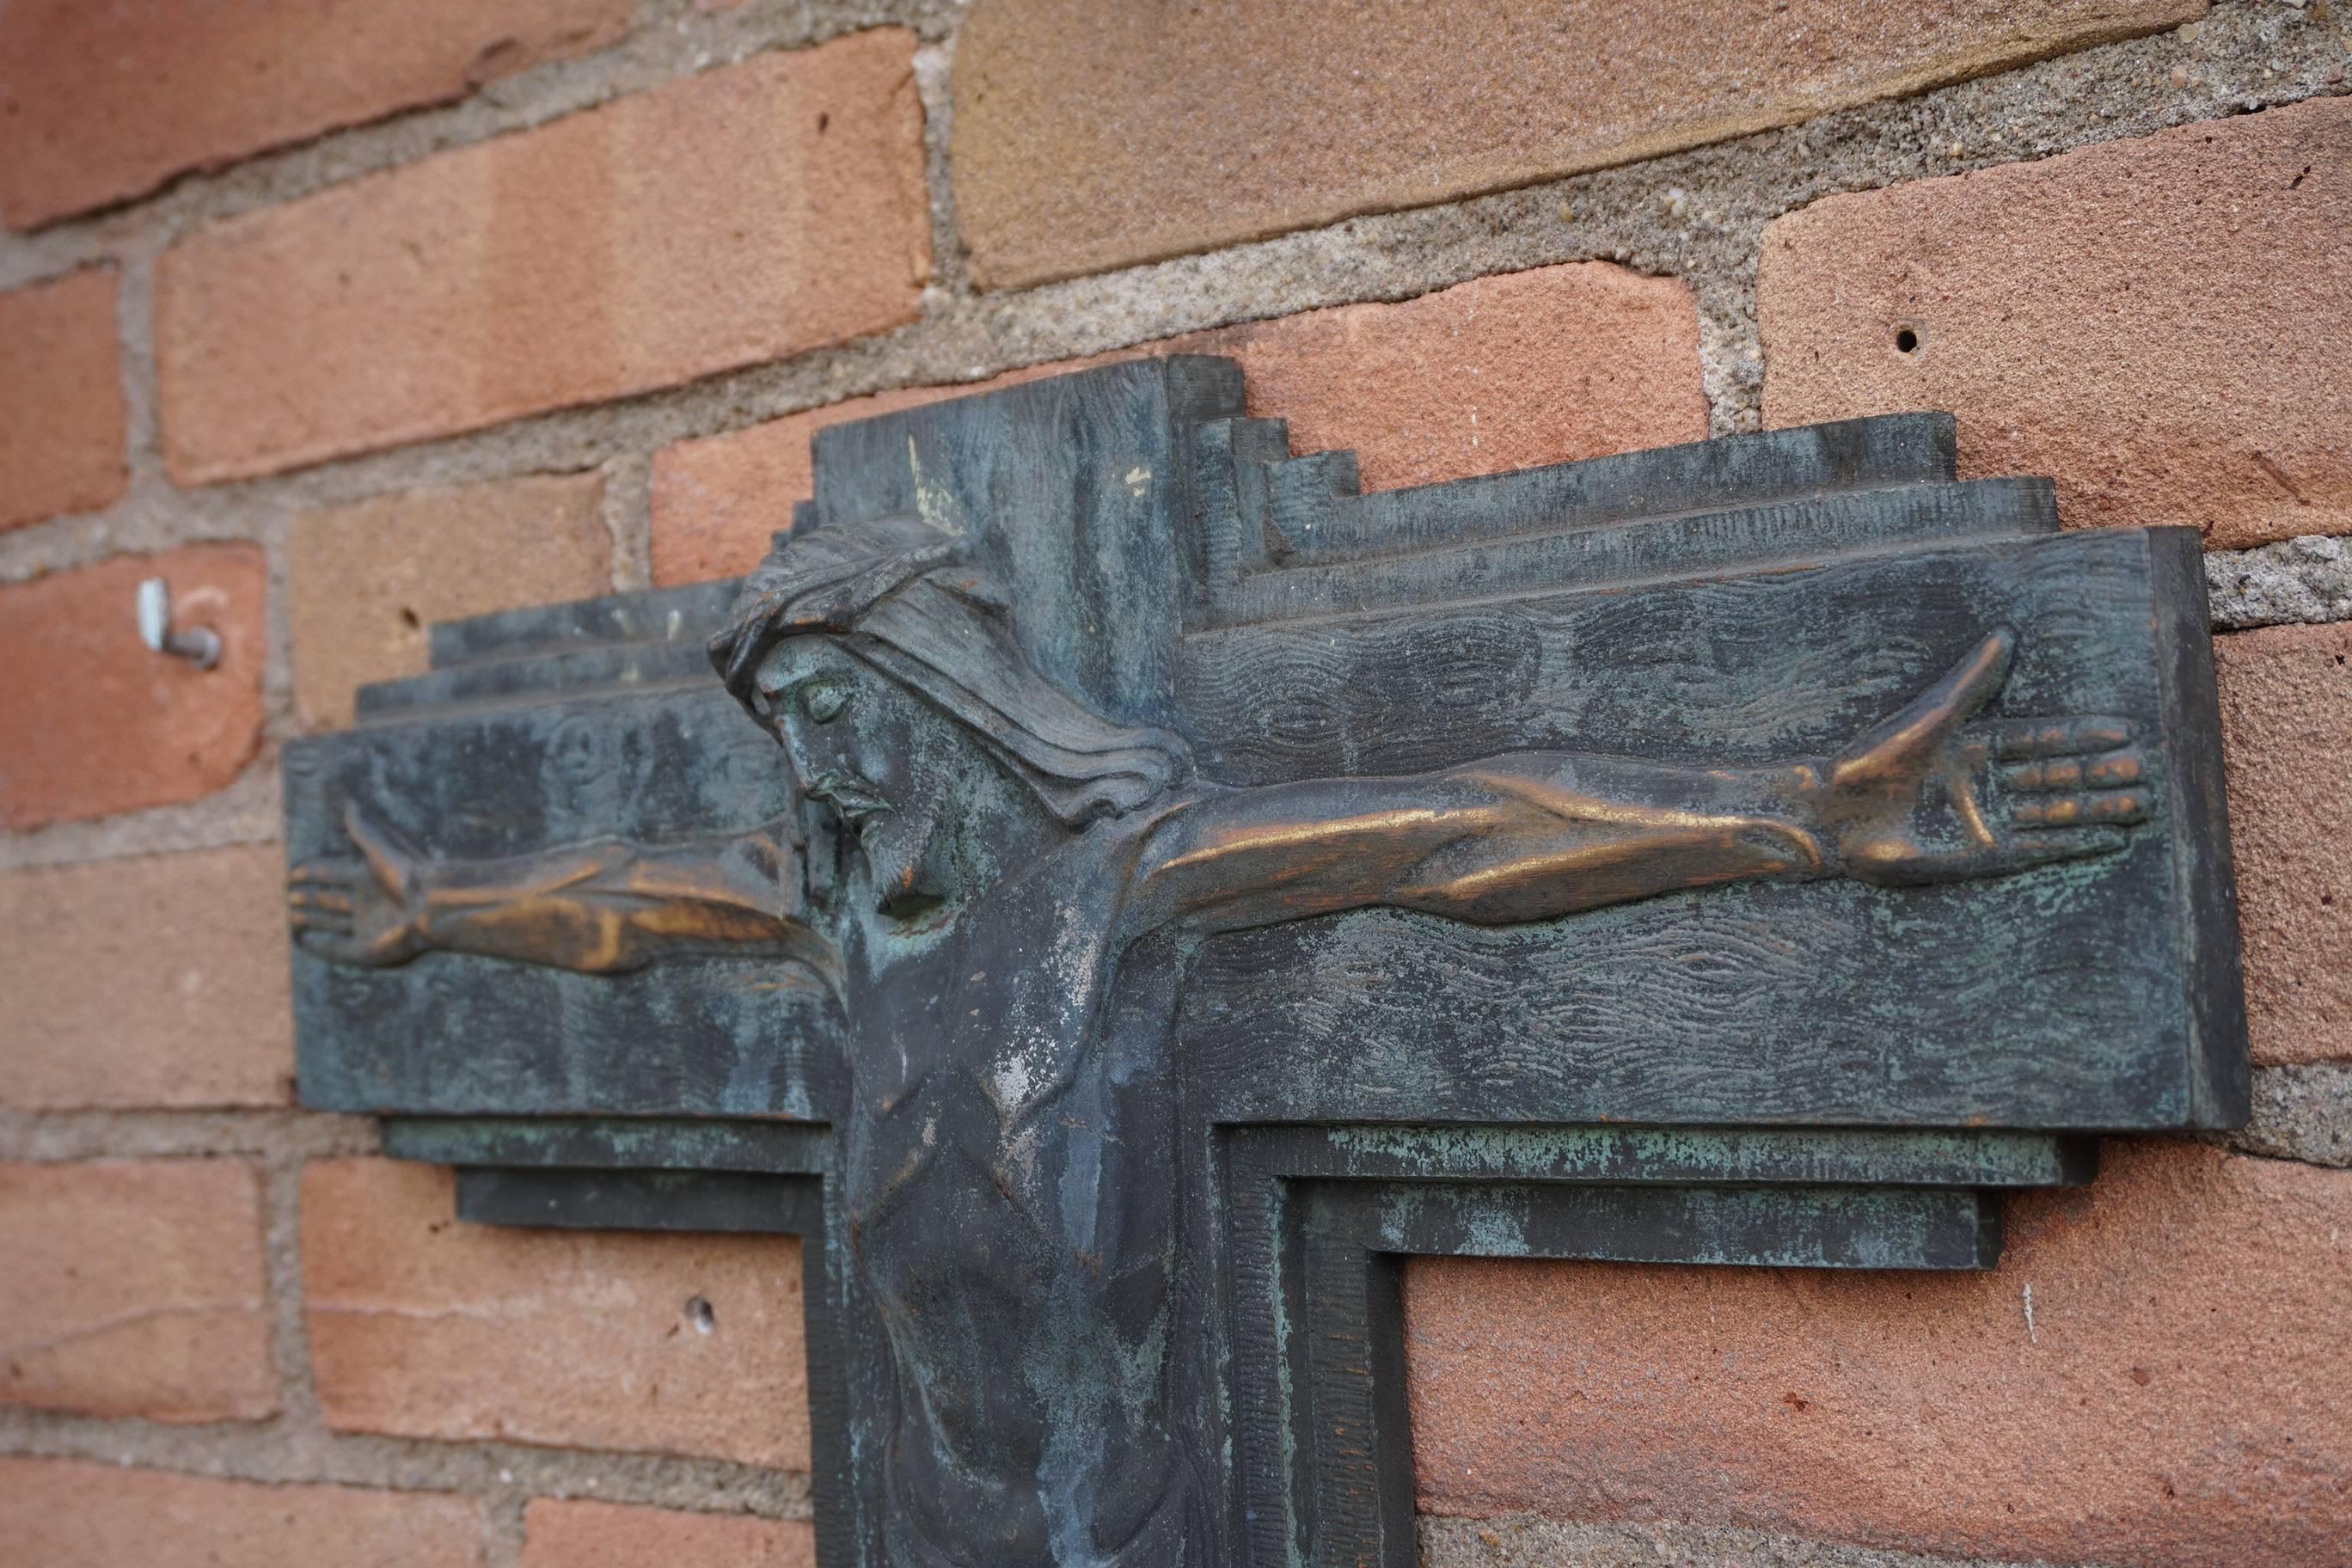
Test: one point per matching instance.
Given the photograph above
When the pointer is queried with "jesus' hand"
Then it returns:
(1926, 796)
(369, 910)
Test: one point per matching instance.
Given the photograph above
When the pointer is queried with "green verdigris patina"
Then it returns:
(1157, 889)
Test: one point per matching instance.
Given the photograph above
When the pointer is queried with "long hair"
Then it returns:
(898, 595)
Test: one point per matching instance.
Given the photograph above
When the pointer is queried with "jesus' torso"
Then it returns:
(1012, 1217)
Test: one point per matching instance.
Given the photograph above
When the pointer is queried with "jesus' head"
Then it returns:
(851, 642)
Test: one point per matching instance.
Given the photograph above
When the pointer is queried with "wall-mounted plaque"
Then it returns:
(1116, 891)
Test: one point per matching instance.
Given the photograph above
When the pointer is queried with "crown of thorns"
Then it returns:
(902, 595)
(826, 580)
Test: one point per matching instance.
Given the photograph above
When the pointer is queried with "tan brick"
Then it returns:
(364, 582)
(607, 1535)
(2176, 1398)
(61, 411)
(751, 212)
(91, 722)
(1507, 372)
(107, 101)
(153, 980)
(1089, 136)
(58, 1513)
(427, 1328)
(2287, 722)
(2160, 324)
(135, 1290)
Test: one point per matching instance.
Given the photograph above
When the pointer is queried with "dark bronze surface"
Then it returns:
(601, 907)
(1171, 888)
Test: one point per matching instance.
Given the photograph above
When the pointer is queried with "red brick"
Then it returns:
(364, 582)
(2286, 721)
(91, 722)
(607, 1535)
(106, 101)
(751, 212)
(135, 1290)
(1090, 136)
(2160, 324)
(1507, 372)
(152, 981)
(56, 1513)
(61, 412)
(425, 1327)
(2178, 1399)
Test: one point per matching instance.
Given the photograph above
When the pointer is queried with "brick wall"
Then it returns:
(348, 317)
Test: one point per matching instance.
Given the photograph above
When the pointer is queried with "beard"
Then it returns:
(894, 845)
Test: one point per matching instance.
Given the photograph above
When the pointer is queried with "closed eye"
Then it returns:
(824, 701)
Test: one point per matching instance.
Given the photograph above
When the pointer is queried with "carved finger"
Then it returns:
(2123, 806)
(384, 856)
(2059, 811)
(322, 921)
(2055, 773)
(2026, 738)
(2017, 739)
(331, 873)
(332, 947)
(320, 901)
(1963, 796)
(2114, 771)
(2071, 844)
(2073, 810)
(1974, 680)
(1893, 750)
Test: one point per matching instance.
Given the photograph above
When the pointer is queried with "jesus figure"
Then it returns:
(1011, 865)
(1000, 884)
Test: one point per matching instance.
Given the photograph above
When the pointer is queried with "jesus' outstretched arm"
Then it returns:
(604, 907)
(1921, 797)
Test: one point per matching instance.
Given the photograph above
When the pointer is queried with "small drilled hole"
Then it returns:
(408, 618)
(1906, 341)
(698, 1313)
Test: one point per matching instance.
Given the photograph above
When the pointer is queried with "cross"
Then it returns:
(1116, 891)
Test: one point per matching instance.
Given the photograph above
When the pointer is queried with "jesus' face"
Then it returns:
(904, 780)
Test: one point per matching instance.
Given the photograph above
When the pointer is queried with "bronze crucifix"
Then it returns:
(1063, 877)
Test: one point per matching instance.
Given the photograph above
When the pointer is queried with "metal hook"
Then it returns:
(200, 646)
